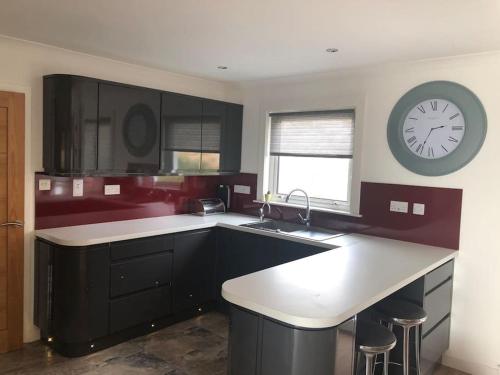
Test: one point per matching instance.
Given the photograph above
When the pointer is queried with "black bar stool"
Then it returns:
(373, 339)
(406, 315)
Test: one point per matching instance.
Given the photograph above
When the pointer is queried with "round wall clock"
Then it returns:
(436, 128)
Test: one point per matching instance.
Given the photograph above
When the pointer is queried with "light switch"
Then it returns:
(78, 188)
(44, 184)
(398, 206)
(242, 189)
(111, 189)
(418, 209)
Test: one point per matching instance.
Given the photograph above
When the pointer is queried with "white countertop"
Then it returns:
(92, 234)
(314, 292)
(326, 289)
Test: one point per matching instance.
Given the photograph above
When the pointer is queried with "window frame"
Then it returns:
(299, 199)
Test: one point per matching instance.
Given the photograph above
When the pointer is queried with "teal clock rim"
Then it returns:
(474, 135)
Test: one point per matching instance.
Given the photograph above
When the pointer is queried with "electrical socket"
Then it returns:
(398, 206)
(78, 188)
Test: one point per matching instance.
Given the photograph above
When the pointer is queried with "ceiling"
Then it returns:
(257, 39)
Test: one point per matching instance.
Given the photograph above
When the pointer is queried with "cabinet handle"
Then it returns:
(122, 277)
(157, 283)
(190, 296)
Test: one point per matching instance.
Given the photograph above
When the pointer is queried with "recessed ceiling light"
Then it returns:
(332, 50)
(222, 67)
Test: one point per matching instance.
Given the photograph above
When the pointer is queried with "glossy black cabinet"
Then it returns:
(70, 106)
(230, 145)
(129, 129)
(99, 127)
(194, 269)
(181, 133)
(72, 290)
(200, 135)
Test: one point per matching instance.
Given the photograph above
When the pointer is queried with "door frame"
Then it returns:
(12, 337)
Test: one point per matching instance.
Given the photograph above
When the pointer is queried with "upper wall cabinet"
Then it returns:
(69, 124)
(129, 129)
(181, 133)
(106, 128)
(200, 136)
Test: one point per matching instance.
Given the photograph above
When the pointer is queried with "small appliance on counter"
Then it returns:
(224, 193)
(208, 206)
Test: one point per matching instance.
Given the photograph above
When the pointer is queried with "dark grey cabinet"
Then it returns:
(194, 269)
(259, 345)
(129, 129)
(100, 127)
(200, 135)
(230, 154)
(433, 292)
(181, 133)
(69, 124)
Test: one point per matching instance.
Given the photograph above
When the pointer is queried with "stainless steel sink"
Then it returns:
(294, 229)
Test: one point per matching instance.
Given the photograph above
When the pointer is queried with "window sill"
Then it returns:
(317, 209)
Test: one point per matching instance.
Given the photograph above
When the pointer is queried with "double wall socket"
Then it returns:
(111, 189)
(398, 206)
(402, 207)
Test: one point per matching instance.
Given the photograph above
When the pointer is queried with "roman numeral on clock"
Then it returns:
(451, 139)
(454, 116)
(410, 130)
(411, 141)
(434, 105)
(420, 148)
(444, 109)
(430, 152)
(457, 127)
(444, 148)
(421, 108)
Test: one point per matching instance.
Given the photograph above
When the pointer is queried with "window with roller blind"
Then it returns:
(312, 151)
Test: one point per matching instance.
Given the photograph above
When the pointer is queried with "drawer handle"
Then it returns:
(122, 277)
(190, 296)
(157, 283)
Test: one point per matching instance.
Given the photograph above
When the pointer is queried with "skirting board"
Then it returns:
(469, 367)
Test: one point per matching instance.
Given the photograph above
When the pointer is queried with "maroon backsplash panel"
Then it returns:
(143, 197)
(140, 197)
(440, 226)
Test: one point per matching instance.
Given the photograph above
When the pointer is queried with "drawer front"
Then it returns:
(434, 345)
(437, 305)
(141, 246)
(139, 308)
(436, 277)
(140, 273)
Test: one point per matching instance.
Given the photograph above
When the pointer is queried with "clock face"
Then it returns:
(434, 128)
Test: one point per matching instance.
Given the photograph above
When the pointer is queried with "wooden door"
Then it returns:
(11, 220)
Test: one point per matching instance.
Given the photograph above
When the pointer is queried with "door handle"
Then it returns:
(16, 223)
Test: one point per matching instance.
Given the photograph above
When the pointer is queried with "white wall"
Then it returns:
(22, 66)
(475, 333)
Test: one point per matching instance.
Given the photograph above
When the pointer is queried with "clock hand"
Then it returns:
(430, 132)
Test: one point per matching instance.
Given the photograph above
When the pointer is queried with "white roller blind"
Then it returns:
(320, 134)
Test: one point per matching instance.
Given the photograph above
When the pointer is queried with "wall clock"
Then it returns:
(436, 128)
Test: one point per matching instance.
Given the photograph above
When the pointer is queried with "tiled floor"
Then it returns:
(194, 347)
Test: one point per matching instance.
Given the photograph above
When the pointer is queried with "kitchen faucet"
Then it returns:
(261, 211)
(307, 219)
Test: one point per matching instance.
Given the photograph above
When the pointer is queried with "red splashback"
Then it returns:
(439, 226)
(140, 197)
(143, 197)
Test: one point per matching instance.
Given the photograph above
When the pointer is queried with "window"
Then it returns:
(312, 151)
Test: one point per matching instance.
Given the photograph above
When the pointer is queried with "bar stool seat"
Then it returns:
(402, 313)
(373, 339)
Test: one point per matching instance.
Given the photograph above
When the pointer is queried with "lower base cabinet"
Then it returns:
(262, 346)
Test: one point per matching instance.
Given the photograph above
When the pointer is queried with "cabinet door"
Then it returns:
(80, 293)
(69, 124)
(230, 158)
(194, 269)
(213, 121)
(181, 133)
(129, 129)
